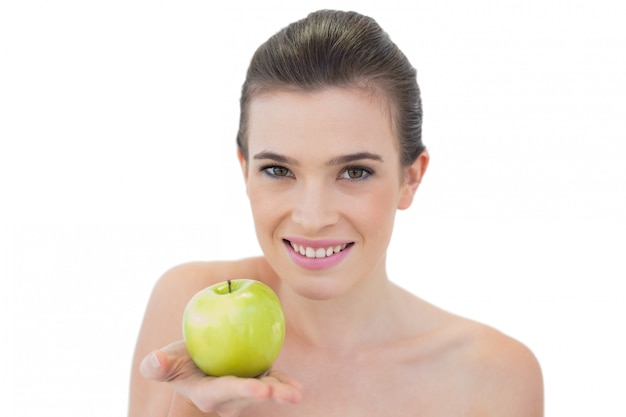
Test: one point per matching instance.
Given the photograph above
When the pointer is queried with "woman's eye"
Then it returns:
(355, 173)
(277, 171)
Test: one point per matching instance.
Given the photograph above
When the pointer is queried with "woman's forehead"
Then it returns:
(318, 126)
(338, 113)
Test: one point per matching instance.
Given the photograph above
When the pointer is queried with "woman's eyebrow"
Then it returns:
(344, 159)
(276, 157)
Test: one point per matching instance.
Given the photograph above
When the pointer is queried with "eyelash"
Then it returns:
(365, 173)
(270, 171)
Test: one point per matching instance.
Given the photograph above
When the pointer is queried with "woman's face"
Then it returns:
(324, 181)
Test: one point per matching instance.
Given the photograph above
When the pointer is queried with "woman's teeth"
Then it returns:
(317, 252)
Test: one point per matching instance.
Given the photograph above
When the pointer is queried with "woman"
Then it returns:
(330, 147)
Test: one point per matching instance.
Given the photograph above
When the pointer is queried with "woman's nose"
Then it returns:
(314, 207)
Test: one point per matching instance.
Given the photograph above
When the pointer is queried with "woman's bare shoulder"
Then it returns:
(502, 374)
(489, 371)
(194, 276)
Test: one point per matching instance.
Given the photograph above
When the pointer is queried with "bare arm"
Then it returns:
(161, 326)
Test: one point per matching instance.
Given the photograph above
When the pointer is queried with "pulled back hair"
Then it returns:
(338, 49)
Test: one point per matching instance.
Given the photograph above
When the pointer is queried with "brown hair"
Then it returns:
(338, 49)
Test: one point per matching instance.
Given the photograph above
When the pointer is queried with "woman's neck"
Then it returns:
(365, 315)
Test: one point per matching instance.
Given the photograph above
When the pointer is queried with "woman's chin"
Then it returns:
(315, 288)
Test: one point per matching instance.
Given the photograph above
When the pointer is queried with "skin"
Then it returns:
(356, 344)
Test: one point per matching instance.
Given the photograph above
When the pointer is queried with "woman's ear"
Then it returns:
(243, 164)
(412, 177)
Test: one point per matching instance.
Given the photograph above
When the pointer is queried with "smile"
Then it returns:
(317, 255)
(310, 252)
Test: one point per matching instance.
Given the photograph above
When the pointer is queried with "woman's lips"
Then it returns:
(316, 255)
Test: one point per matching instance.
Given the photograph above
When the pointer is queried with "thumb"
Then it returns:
(166, 363)
(154, 366)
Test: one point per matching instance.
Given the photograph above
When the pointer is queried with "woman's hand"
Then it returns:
(228, 395)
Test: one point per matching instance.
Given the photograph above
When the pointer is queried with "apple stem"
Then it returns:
(229, 288)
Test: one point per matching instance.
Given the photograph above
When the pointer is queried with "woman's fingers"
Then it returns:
(285, 389)
(227, 395)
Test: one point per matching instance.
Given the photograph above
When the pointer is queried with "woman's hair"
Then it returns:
(338, 49)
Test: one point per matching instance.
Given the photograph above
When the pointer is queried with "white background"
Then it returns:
(117, 161)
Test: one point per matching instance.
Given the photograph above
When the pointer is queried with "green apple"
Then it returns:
(235, 327)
